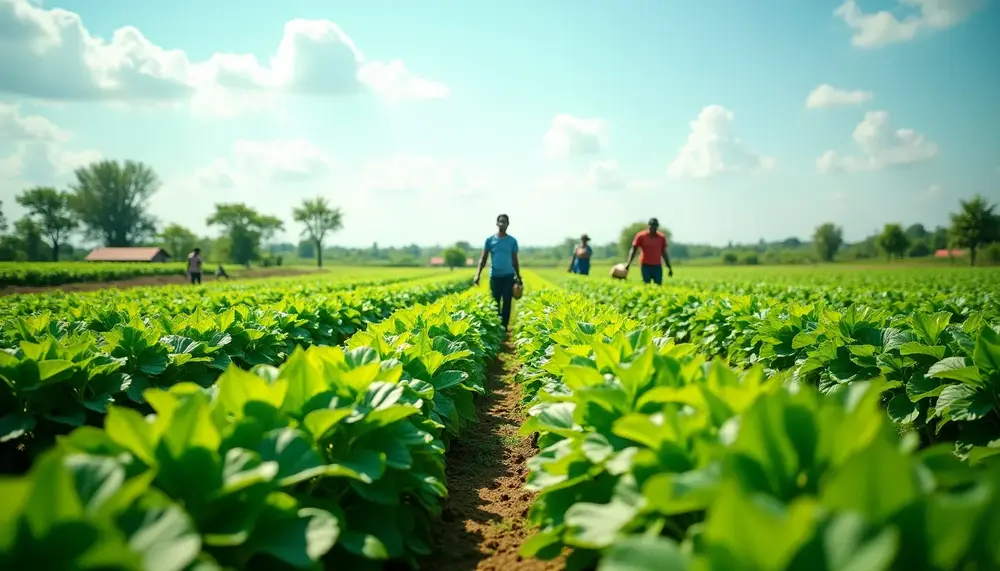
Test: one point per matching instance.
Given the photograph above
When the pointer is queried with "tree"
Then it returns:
(178, 240)
(828, 239)
(977, 224)
(916, 232)
(628, 234)
(893, 241)
(269, 226)
(110, 200)
(454, 257)
(319, 220)
(243, 227)
(940, 238)
(28, 234)
(50, 211)
(3, 219)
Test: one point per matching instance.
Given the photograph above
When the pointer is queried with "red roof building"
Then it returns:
(950, 253)
(153, 255)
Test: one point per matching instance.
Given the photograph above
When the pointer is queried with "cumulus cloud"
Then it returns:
(40, 155)
(429, 176)
(570, 136)
(827, 95)
(50, 54)
(881, 146)
(874, 29)
(277, 161)
(712, 148)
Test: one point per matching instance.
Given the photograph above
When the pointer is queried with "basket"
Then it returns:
(619, 271)
(518, 290)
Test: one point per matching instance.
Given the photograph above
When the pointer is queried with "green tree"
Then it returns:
(28, 234)
(178, 240)
(628, 234)
(454, 257)
(828, 239)
(940, 238)
(243, 228)
(893, 241)
(269, 226)
(319, 220)
(50, 211)
(3, 219)
(916, 232)
(110, 200)
(976, 225)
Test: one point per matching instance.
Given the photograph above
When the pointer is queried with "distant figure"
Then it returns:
(653, 246)
(194, 266)
(220, 272)
(580, 264)
(505, 271)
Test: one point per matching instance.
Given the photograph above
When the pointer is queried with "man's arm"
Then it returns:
(571, 260)
(482, 264)
(666, 258)
(517, 266)
(632, 251)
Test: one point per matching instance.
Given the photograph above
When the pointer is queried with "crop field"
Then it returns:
(48, 274)
(814, 419)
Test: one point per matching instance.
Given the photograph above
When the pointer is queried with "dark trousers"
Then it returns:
(502, 288)
(652, 274)
(196, 277)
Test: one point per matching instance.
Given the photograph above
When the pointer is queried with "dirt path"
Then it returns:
(482, 526)
(154, 281)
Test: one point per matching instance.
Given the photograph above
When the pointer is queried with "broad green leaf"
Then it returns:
(956, 369)
(987, 352)
(643, 553)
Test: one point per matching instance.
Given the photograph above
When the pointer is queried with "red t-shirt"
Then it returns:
(651, 247)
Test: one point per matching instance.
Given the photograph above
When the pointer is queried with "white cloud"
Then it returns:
(712, 149)
(881, 146)
(32, 129)
(882, 27)
(600, 175)
(827, 95)
(50, 54)
(277, 161)
(39, 156)
(570, 136)
(417, 174)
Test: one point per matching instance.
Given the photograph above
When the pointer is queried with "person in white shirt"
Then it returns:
(194, 266)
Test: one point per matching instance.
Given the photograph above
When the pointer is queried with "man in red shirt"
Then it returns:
(653, 246)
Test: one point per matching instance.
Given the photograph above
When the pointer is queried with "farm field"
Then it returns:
(22, 277)
(757, 418)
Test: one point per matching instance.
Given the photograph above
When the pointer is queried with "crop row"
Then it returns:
(941, 363)
(63, 370)
(333, 460)
(653, 457)
(186, 299)
(49, 273)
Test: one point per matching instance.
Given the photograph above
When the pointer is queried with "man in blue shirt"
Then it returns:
(505, 271)
(580, 264)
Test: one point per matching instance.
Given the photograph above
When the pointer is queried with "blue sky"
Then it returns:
(571, 116)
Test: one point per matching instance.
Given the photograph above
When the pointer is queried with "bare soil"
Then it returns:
(483, 523)
(144, 281)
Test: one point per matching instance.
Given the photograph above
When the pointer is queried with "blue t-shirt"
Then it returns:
(502, 252)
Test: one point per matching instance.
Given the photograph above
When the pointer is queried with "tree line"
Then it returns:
(975, 228)
(108, 203)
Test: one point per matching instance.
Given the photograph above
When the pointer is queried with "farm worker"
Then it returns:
(194, 266)
(501, 248)
(653, 246)
(580, 264)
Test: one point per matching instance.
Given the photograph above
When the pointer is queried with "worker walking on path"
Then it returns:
(580, 264)
(194, 266)
(501, 249)
(653, 247)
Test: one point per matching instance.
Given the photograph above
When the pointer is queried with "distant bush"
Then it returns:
(730, 258)
(990, 254)
(919, 250)
(749, 259)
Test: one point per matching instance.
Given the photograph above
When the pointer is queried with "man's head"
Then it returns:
(197, 250)
(503, 221)
(654, 225)
(584, 239)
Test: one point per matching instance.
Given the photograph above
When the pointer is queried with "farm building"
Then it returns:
(950, 253)
(152, 255)
(438, 262)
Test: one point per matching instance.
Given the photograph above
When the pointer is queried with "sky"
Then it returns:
(425, 119)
